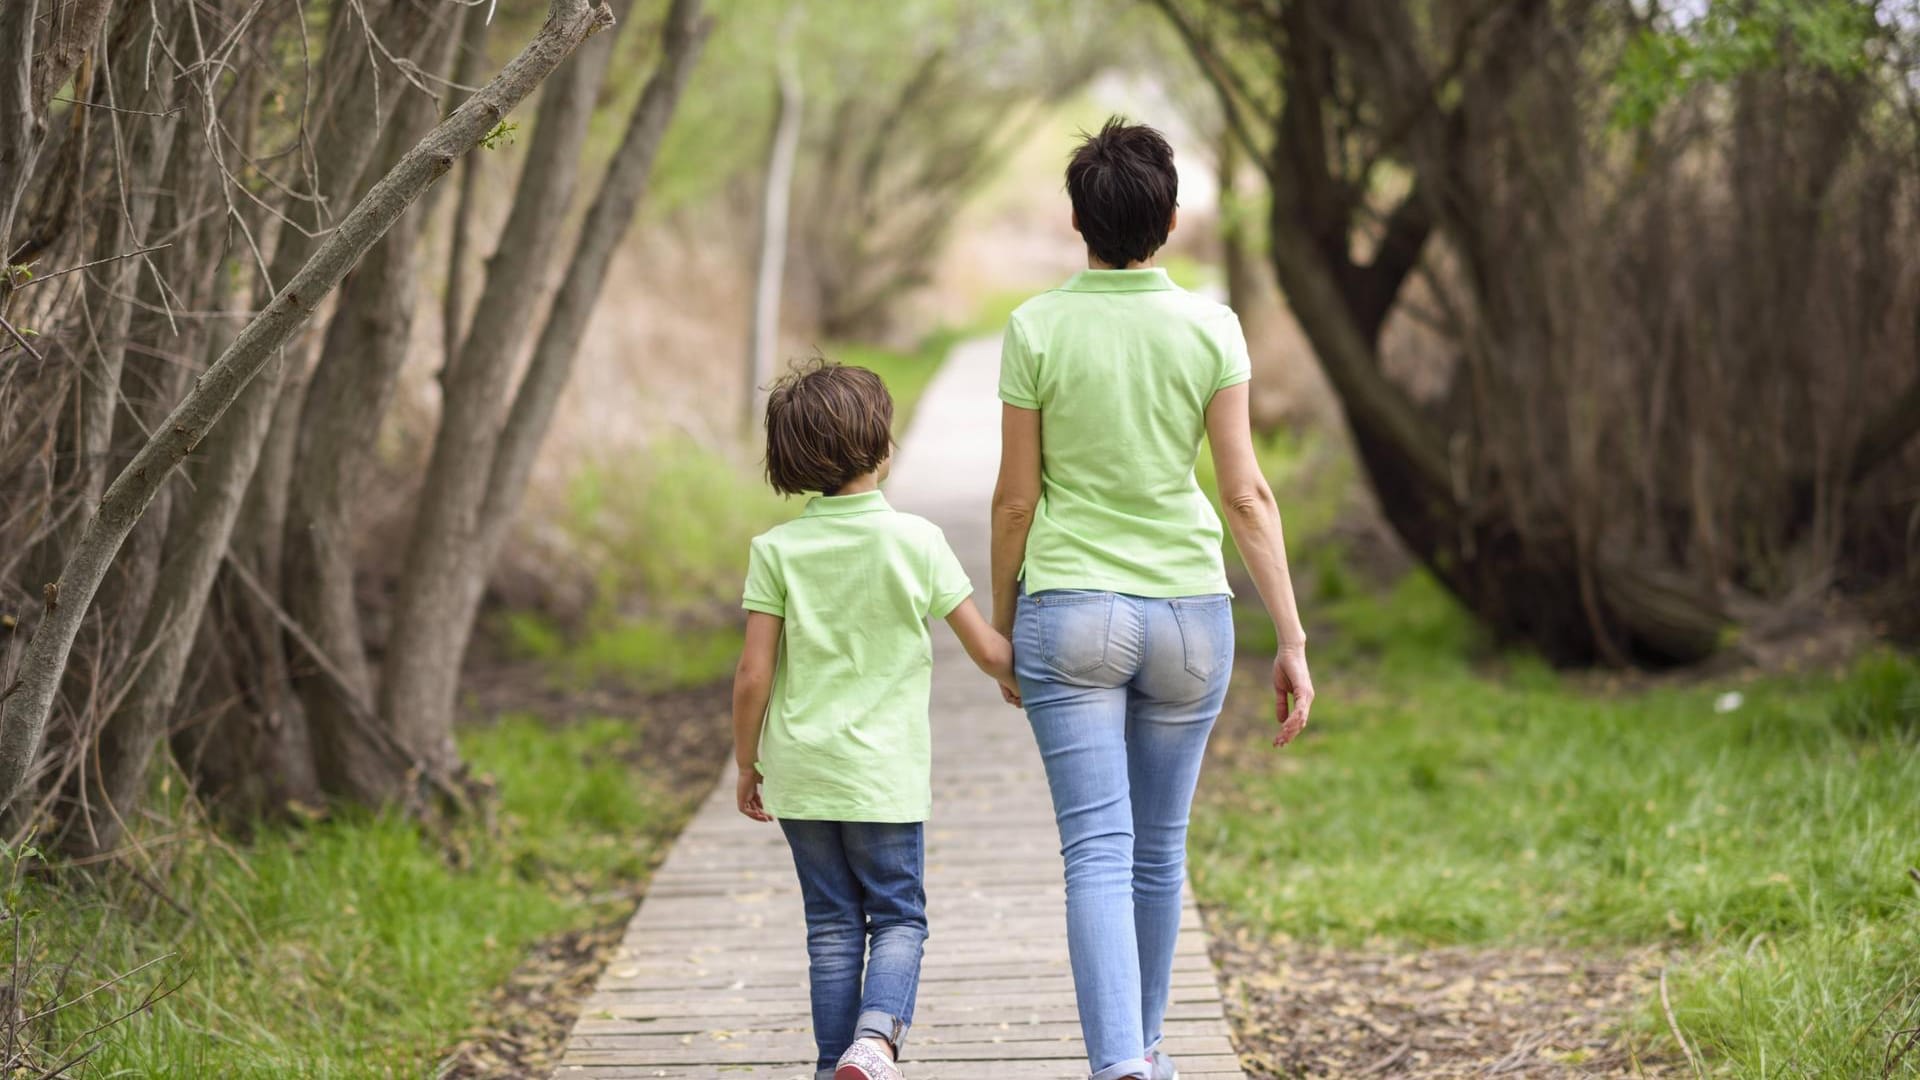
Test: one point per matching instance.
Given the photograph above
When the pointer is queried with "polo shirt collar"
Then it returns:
(1145, 279)
(866, 502)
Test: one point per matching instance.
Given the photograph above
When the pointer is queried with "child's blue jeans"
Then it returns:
(1121, 692)
(864, 887)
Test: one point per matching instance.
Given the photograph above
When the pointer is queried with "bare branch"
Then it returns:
(1227, 83)
(117, 109)
(97, 262)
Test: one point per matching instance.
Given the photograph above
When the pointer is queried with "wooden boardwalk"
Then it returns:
(711, 979)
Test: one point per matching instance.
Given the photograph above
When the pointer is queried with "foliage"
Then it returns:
(1664, 63)
(502, 135)
(670, 525)
(1452, 794)
(354, 946)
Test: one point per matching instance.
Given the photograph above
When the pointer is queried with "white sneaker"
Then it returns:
(1163, 1066)
(866, 1061)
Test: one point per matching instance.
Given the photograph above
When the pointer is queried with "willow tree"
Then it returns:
(1663, 270)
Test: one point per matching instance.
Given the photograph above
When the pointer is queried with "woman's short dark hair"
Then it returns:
(1124, 189)
(827, 423)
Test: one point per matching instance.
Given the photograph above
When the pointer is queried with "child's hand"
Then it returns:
(747, 796)
(1010, 692)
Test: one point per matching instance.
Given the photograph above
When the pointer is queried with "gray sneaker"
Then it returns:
(1163, 1066)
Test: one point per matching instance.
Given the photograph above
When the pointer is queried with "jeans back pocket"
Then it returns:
(1074, 628)
(1206, 633)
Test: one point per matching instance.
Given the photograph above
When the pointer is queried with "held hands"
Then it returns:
(747, 795)
(1009, 685)
(1293, 692)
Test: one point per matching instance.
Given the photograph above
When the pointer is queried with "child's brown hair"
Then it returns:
(827, 423)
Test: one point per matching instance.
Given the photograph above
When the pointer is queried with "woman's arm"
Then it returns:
(1016, 497)
(752, 687)
(1254, 519)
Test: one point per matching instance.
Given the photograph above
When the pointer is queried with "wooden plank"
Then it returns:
(710, 979)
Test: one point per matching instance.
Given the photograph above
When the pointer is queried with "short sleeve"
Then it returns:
(766, 590)
(1019, 382)
(1236, 366)
(949, 580)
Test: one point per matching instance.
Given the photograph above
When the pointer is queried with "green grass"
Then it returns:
(354, 947)
(1451, 795)
(646, 653)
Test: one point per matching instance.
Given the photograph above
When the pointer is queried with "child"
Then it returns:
(830, 704)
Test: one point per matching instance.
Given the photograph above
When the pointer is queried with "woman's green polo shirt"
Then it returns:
(846, 735)
(1121, 365)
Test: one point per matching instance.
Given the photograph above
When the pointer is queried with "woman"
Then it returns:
(1107, 575)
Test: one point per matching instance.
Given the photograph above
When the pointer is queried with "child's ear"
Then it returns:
(1173, 220)
(1074, 216)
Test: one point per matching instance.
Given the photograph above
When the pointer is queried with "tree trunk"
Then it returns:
(21, 125)
(1454, 516)
(353, 385)
(123, 228)
(351, 120)
(28, 701)
(764, 337)
(683, 36)
(72, 28)
(453, 316)
(427, 639)
(1240, 261)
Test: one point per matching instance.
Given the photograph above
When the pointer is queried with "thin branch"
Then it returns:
(118, 109)
(110, 983)
(1226, 81)
(1673, 1025)
(24, 343)
(90, 265)
(360, 706)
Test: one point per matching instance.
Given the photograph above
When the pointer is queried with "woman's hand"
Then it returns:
(1292, 691)
(746, 795)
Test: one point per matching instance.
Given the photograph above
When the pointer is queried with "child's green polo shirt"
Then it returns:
(846, 735)
(1121, 365)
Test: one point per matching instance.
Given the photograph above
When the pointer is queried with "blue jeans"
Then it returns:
(863, 883)
(1122, 692)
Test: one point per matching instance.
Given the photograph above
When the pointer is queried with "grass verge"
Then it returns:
(354, 947)
(1760, 831)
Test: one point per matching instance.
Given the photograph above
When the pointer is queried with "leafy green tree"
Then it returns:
(1659, 286)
